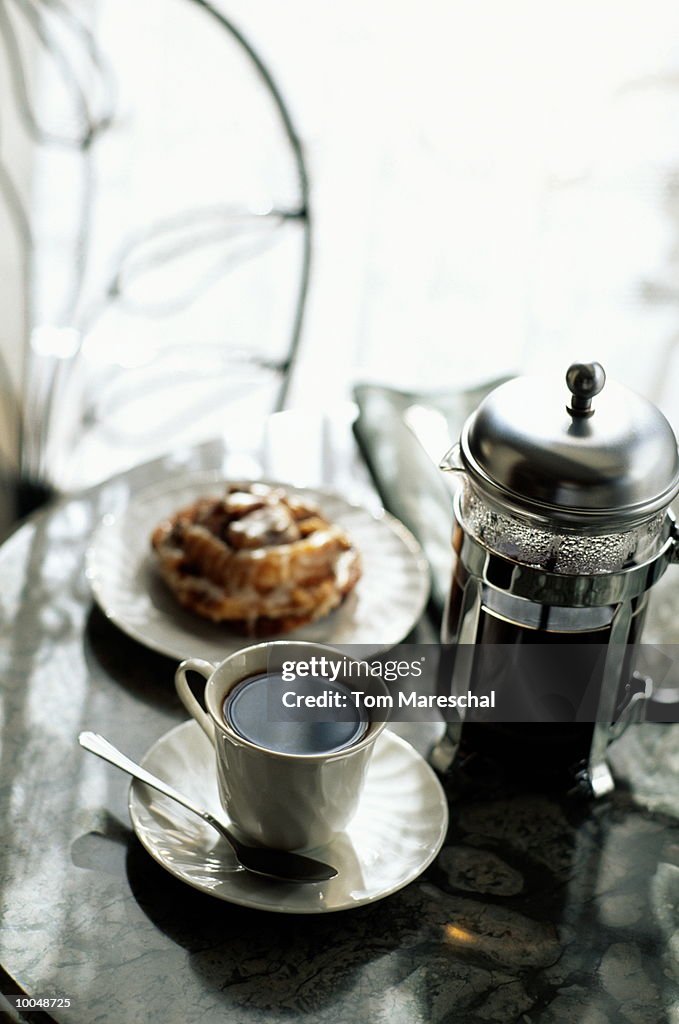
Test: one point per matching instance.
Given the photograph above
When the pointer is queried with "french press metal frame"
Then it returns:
(495, 582)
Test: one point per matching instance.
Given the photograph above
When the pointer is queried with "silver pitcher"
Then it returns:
(562, 527)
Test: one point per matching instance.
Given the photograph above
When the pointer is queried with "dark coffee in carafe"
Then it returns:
(546, 685)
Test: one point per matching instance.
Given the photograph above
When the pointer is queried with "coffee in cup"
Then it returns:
(255, 709)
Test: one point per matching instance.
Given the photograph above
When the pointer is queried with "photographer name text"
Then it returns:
(369, 701)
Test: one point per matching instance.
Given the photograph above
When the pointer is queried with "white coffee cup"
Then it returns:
(284, 800)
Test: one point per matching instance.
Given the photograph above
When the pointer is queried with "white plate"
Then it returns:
(381, 611)
(397, 831)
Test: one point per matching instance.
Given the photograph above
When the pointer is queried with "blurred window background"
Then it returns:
(493, 188)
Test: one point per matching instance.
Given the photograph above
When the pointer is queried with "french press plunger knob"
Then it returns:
(585, 380)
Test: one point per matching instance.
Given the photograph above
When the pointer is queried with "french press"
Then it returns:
(562, 527)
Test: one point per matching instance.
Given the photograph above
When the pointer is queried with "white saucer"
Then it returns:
(398, 829)
(387, 602)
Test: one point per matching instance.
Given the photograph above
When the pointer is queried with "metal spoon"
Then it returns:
(260, 860)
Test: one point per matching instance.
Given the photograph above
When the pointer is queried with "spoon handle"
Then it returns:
(96, 744)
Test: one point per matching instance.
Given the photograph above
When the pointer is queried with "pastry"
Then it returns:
(257, 557)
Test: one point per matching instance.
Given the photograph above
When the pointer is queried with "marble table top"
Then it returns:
(536, 910)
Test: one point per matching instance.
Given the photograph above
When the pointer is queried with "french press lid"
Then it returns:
(597, 454)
